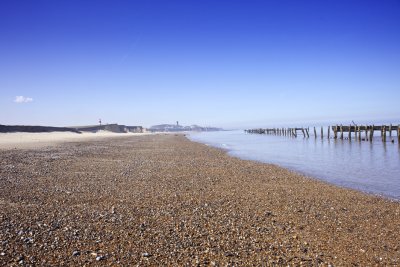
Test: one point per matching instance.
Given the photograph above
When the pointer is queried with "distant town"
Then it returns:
(180, 128)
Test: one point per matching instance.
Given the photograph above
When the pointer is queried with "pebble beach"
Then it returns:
(162, 200)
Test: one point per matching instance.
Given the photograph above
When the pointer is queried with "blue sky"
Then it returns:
(215, 63)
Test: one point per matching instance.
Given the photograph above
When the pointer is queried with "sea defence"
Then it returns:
(361, 132)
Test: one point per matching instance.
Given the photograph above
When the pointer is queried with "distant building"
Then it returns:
(180, 128)
(134, 129)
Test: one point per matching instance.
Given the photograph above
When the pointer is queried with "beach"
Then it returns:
(161, 199)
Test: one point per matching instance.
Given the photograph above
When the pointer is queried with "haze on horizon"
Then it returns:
(211, 63)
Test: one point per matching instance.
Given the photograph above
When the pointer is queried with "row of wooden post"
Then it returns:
(338, 132)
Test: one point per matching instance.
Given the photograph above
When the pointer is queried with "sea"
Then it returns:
(371, 167)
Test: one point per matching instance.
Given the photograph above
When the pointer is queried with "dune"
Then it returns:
(37, 140)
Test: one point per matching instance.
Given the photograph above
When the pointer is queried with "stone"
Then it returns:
(146, 254)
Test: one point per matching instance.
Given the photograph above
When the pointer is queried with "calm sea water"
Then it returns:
(372, 167)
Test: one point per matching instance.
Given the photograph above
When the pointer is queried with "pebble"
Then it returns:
(100, 258)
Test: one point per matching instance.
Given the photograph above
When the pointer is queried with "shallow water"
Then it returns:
(372, 167)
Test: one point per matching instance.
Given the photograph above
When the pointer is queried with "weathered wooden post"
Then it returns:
(366, 132)
(384, 133)
(315, 133)
(359, 133)
(371, 132)
(322, 132)
(341, 131)
(390, 131)
(329, 131)
(355, 132)
(398, 133)
(350, 132)
(335, 132)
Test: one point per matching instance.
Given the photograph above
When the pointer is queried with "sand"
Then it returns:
(162, 200)
(35, 140)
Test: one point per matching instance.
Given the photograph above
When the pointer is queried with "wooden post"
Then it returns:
(384, 133)
(355, 132)
(350, 133)
(398, 133)
(371, 133)
(335, 133)
(366, 132)
(322, 132)
(315, 133)
(329, 131)
(359, 133)
(341, 131)
(390, 131)
(294, 133)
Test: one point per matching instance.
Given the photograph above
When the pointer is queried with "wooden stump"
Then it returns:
(350, 133)
(384, 133)
(341, 131)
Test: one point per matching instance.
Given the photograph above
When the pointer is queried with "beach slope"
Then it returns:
(164, 200)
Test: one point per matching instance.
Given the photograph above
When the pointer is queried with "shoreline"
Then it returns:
(164, 199)
(366, 181)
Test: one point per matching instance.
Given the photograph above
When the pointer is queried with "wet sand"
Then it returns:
(163, 200)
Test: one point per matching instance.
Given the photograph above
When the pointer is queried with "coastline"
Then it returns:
(163, 199)
(370, 168)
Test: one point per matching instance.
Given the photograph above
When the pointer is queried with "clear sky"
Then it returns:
(214, 63)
